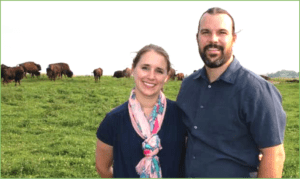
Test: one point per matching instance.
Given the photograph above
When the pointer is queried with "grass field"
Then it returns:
(48, 128)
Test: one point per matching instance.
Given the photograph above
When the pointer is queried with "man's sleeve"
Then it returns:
(265, 115)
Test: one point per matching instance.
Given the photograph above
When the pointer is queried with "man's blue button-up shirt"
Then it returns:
(228, 121)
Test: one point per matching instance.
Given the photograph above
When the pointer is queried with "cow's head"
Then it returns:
(69, 74)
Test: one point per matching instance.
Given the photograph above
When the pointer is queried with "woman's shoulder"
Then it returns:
(172, 107)
(119, 110)
(171, 104)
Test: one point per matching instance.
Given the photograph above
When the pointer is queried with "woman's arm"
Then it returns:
(104, 159)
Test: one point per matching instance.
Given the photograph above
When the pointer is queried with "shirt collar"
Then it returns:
(228, 76)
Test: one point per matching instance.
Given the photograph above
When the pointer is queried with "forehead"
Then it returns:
(154, 59)
(216, 22)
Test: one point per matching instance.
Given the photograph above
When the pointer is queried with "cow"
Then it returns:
(2, 69)
(180, 76)
(265, 77)
(171, 74)
(293, 81)
(127, 72)
(65, 70)
(97, 73)
(31, 67)
(37, 74)
(118, 74)
(13, 73)
(53, 71)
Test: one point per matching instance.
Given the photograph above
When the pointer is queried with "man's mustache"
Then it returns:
(213, 46)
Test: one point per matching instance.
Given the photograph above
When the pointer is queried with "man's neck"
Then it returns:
(214, 73)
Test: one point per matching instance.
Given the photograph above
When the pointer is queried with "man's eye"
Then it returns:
(145, 68)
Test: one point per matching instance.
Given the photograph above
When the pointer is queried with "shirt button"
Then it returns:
(209, 86)
(201, 107)
(195, 127)
(194, 157)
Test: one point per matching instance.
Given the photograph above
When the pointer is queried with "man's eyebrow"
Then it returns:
(223, 30)
(204, 30)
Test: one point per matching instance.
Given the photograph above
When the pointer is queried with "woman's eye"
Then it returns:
(160, 71)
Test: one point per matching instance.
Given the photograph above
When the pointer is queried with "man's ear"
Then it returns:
(234, 38)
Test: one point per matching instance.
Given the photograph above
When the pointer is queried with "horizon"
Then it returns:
(92, 34)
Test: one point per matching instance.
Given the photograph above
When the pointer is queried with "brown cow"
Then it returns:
(97, 73)
(53, 71)
(13, 73)
(2, 69)
(127, 72)
(118, 74)
(65, 70)
(293, 81)
(171, 74)
(265, 77)
(180, 76)
(30, 67)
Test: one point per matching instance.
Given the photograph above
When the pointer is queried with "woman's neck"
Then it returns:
(147, 103)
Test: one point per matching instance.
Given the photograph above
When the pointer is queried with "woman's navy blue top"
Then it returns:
(116, 130)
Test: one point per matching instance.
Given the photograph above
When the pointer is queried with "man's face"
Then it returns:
(215, 39)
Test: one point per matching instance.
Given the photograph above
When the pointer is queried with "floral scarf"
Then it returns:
(149, 166)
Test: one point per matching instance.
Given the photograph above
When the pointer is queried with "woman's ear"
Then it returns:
(166, 79)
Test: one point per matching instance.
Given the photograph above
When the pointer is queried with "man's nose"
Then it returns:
(214, 38)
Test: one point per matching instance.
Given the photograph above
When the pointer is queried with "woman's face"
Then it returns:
(150, 74)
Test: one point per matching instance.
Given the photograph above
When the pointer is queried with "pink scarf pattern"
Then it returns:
(149, 166)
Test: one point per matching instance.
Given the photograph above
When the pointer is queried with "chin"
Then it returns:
(151, 94)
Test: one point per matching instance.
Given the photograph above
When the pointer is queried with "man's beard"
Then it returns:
(219, 61)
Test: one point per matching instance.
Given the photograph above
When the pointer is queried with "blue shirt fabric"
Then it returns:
(116, 130)
(228, 121)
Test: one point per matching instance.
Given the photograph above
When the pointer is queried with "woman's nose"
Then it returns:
(151, 74)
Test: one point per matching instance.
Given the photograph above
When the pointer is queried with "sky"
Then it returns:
(107, 34)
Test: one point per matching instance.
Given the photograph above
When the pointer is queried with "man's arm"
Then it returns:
(104, 159)
(271, 164)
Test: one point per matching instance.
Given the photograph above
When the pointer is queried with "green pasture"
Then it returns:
(48, 128)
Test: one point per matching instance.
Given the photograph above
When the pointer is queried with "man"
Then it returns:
(232, 114)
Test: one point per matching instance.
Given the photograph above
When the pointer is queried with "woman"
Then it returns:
(144, 137)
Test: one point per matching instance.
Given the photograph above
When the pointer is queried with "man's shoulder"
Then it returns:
(189, 80)
(193, 75)
(253, 83)
(251, 79)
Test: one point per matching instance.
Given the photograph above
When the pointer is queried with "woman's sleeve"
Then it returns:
(105, 131)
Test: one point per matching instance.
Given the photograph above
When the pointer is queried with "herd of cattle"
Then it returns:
(18, 72)
(55, 70)
(127, 73)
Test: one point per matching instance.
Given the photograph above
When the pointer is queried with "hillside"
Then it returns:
(284, 74)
